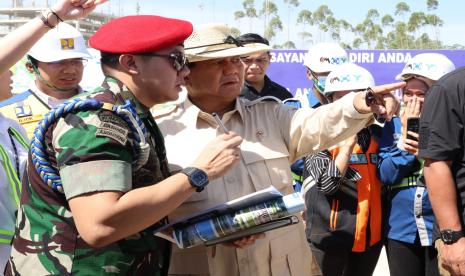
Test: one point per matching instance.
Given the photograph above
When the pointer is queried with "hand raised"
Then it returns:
(73, 9)
(385, 105)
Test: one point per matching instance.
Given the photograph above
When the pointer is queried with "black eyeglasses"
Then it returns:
(178, 58)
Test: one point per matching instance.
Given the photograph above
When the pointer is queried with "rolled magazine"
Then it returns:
(205, 231)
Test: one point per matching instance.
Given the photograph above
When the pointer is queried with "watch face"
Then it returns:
(200, 178)
(446, 236)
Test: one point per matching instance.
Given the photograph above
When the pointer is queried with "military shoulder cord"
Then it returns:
(127, 112)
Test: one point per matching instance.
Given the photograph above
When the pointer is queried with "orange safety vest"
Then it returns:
(368, 196)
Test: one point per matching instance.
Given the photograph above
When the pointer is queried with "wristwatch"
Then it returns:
(370, 98)
(450, 236)
(197, 178)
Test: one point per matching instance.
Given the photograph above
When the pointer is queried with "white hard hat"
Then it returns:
(323, 57)
(62, 42)
(429, 65)
(348, 77)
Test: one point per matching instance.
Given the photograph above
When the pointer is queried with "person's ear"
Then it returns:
(30, 68)
(129, 63)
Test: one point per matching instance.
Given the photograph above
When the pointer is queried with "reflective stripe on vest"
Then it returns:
(19, 138)
(296, 177)
(10, 172)
(411, 180)
(368, 196)
(6, 236)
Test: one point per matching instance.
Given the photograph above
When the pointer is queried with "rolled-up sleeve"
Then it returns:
(309, 130)
(96, 176)
(93, 153)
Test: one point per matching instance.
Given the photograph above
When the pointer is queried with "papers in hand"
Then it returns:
(252, 214)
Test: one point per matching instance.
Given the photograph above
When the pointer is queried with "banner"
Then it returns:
(287, 68)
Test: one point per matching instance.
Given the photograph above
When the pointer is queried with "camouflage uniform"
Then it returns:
(87, 148)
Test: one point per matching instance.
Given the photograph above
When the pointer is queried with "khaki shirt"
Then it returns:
(274, 136)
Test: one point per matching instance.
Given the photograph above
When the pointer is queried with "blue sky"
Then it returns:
(208, 11)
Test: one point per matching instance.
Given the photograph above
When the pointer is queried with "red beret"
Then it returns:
(140, 34)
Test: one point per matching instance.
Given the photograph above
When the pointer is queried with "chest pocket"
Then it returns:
(267, 164)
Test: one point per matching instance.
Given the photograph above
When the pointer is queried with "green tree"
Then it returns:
(432, 4)
(235, 32)
(387, 21)
(289, 45)
(290, 4)
(306, 37)
(319, 18)
(274, 25)
(250, 11)
(305, 19)
(238, 15)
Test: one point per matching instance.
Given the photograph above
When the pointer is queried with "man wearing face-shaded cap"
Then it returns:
(98, 178)
(274, 136)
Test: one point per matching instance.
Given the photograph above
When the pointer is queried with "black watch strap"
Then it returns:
(197, 178)
(449, 236)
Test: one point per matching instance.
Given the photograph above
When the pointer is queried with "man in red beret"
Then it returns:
(98, 177)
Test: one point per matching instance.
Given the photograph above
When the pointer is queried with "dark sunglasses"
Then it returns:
(178, 58)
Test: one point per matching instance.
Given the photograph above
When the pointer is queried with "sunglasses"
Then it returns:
(178, 58)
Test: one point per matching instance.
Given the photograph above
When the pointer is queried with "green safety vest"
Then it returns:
(13, 180)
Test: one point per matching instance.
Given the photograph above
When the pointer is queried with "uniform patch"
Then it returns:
(67, 43)
(109, 118)
(358, 158)
(113, 131)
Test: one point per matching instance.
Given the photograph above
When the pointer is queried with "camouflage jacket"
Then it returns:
(46, 241)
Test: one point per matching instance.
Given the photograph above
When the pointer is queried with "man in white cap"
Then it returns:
(57, 60)
(274, 135)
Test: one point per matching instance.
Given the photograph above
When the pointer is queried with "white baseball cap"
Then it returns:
(325, 57)
(348, 77)
(62, 42)
(429, 65)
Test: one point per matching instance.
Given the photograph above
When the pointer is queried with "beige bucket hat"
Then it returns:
(214, 41)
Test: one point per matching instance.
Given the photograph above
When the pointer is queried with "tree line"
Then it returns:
(405, 29)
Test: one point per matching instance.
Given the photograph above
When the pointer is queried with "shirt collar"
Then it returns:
(193, 113)
(49, 100)
(123, 93)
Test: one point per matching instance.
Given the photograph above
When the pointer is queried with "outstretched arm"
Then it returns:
(16, 44)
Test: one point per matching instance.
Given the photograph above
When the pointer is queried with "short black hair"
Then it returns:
(252, 38)
(109, 59)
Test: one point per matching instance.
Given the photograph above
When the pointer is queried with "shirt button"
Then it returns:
(418, 195)
(418, 216)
